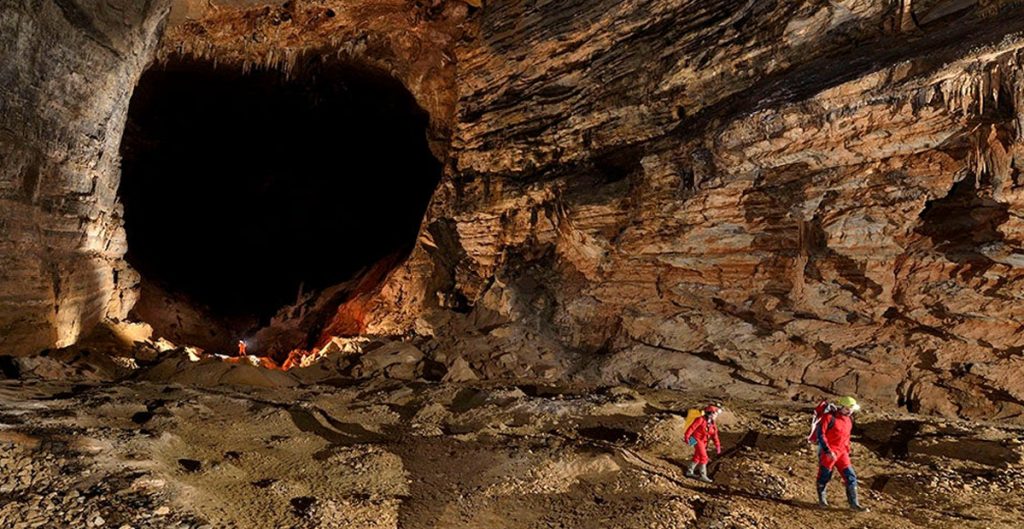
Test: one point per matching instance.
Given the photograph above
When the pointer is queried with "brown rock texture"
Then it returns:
(67, 69)
(801, 196)
(808, 196)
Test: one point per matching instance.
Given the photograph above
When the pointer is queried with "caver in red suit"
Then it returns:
(703, 430)
(833, 435)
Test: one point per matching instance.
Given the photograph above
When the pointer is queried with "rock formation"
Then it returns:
(803, 196)
(810, 196)
(67, 70)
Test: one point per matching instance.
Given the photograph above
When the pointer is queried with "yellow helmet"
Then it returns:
(848, 402)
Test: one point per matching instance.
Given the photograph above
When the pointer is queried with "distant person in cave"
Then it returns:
(241, 348)
(831, 431)
(702, 430)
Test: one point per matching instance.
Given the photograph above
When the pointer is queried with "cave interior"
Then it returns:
(243, 189)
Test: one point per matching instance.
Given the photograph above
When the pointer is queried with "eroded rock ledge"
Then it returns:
(803, 196)
(807, 196)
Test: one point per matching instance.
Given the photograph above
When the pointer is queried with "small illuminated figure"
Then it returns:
(241, 347)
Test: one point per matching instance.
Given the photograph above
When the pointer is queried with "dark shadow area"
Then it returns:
(9, 367)
(962, 221)
(609, 434)
(905, 440)
(242, 189)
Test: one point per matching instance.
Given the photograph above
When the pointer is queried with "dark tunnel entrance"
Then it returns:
(242, 188)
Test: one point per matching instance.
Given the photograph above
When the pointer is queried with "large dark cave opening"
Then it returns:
(240, 188)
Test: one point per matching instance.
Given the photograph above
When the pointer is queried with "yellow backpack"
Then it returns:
(691, 415)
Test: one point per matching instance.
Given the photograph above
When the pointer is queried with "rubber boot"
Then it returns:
(823, 496)
(689, 470)
(851, 496)
(824, 476)
(704, 474)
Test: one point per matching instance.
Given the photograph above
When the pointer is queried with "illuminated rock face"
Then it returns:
(792, 196)
(799, 197)
(67, 69)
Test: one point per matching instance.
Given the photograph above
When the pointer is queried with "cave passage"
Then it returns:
(240, 186)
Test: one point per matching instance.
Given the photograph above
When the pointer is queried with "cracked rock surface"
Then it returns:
(803, 196)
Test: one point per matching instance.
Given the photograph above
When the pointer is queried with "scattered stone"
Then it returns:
(190, 465)
(460, 371)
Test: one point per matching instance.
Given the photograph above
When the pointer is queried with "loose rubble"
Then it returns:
(385, 453)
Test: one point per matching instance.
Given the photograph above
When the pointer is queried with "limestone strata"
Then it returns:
(802, 196)
(809, 196)
(67, 69)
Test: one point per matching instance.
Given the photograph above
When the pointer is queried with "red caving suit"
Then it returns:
(835, 439)
(703, 431)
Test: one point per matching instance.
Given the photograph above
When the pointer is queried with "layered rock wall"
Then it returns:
(810, 196)
(805, 196)
(67, 69)
(67, 72)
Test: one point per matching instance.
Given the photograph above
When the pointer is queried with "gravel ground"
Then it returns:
(386, 454)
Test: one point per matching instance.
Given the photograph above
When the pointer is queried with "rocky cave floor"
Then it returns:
(384, 453)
